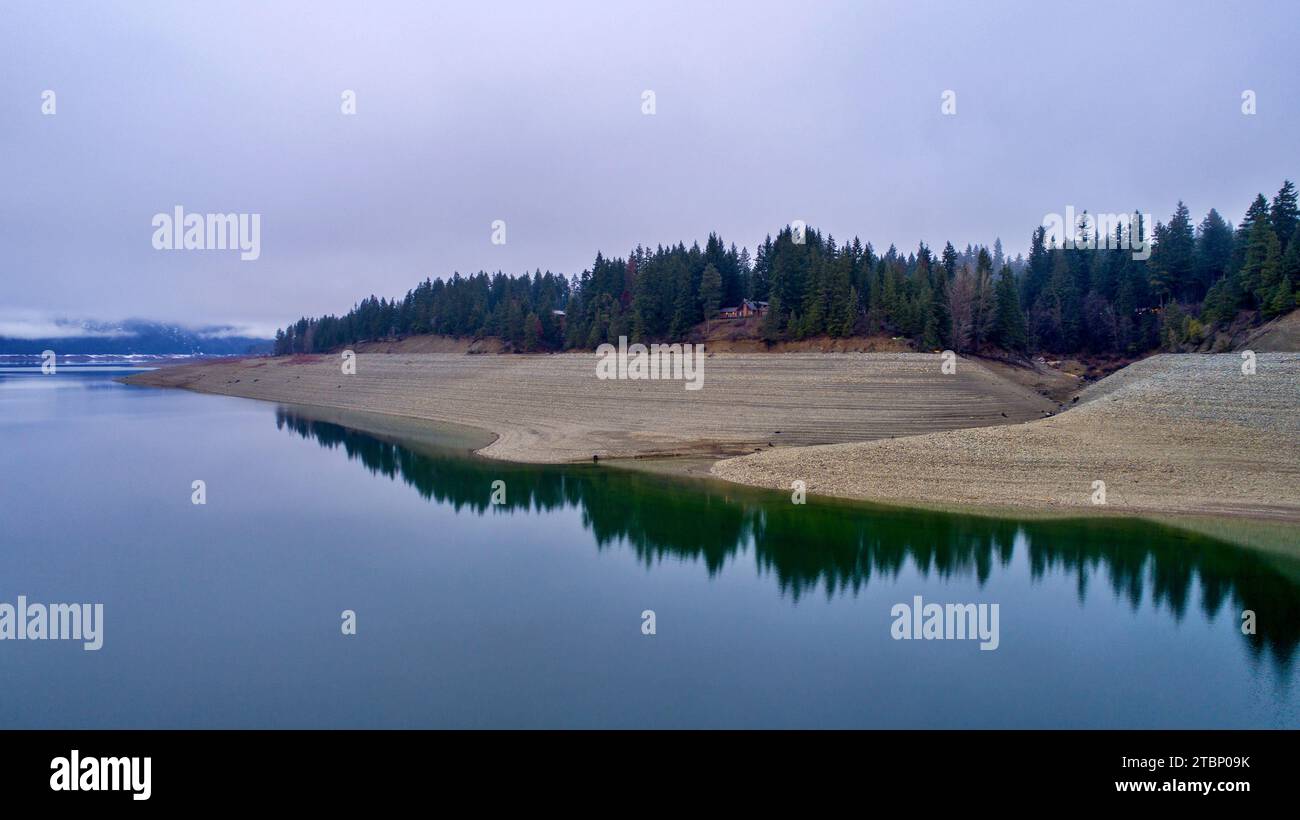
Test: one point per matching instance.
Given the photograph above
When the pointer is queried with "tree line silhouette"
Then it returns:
(1076, 299)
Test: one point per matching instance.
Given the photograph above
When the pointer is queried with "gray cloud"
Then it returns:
(42, 328)
(530, 113)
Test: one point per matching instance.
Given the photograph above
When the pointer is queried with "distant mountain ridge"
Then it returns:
(137, 337)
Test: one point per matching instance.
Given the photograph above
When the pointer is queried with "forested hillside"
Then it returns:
(1084, 298)
(134, 337)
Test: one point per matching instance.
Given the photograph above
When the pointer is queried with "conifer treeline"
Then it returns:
(1062, 300)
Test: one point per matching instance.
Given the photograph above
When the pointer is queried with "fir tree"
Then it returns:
(1213, 252)
(1258, 244)
(710, 293)
(1284, 214)
(949, 261)
(1273, 289)
(1040, 268)
(1010, 330)
(1291, 260)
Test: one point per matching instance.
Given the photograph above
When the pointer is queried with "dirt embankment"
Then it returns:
(555, 409)
(745, 336)
(1280, 335)
(431, 344)
(1169, 434)
(722, 336)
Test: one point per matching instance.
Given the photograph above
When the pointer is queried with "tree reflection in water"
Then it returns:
(840, 547)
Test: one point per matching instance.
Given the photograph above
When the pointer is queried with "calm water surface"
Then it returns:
(529, 614)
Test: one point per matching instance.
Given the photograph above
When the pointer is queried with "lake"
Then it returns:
(534, 612)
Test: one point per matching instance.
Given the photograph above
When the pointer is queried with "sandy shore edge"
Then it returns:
(1170, 436)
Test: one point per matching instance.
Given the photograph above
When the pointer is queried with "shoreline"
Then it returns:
(1174, 435)
(949, 468)
(1272, 536)
(1279, 536)
(553, 408)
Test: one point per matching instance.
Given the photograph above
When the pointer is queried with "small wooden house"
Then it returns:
(746, 308)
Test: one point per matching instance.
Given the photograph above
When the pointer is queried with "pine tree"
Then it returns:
(683, 307)
(1291, 260)
(1281, 301)
(759, 278)
(814, 302)
(1213, 252)
(745, 265)
(849, 324)
(938, 325)
(1258, 245)
(1056, 314)
(984, 302)
(1255, 214)
(1009, 330)
(1172, 259)
(710, 293)
(876, 298)
(770, 327)
(1222, 301)
(841, 314)
(1284, 215)
(1040, 268)
(918, 305)
(532, 332)
(949, 261)
(1274, 290)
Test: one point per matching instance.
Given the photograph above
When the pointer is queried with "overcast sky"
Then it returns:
(531, 113)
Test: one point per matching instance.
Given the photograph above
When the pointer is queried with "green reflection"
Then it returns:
(839, 546)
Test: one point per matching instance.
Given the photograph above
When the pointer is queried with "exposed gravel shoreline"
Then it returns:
(554, 409)
(1170, 434)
